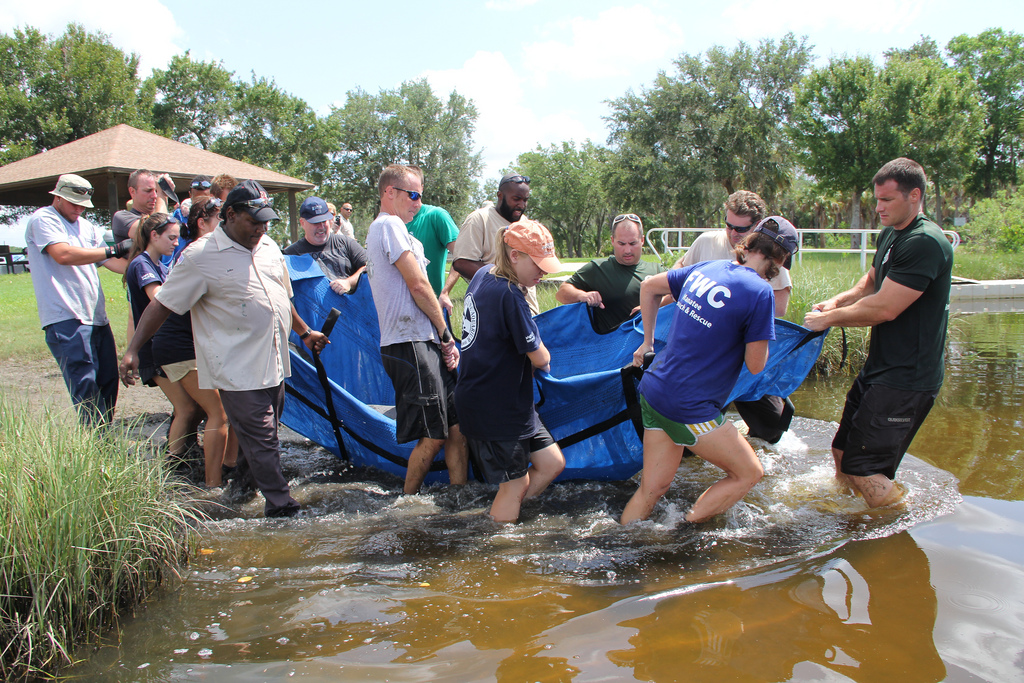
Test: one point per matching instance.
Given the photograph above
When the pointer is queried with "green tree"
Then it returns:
(719, 121)
(194, 100)
(995, 59)
(410, 125)
(566, 194)
(843, 129)
(56, 91)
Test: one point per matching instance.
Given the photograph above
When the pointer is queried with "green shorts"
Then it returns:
(681, 434)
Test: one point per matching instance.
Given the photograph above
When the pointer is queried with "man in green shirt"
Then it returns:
(611, 286)
(904, 298)
(435, 229)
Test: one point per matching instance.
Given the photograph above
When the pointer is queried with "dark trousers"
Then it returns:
(87, 357)
(255, 416)
(767, 418)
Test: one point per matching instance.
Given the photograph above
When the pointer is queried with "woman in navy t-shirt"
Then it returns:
(156, 236)
(175, 352)
(501, 347)
(724, 318)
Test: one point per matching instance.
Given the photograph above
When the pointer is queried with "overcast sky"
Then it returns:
(539, 71)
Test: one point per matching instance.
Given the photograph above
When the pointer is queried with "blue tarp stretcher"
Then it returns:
(588, 403)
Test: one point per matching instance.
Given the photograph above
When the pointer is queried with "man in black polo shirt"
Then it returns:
(905, 299)
(340, 257)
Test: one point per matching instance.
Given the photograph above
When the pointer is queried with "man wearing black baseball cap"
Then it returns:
(64, 249)
(236, 285)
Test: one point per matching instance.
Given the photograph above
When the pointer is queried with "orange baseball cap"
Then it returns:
(534, 240)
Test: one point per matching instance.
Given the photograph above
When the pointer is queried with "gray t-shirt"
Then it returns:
(400, 319)
(64, 292)
(121, 223)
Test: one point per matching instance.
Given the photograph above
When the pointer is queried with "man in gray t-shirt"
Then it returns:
(417, 350)
(64, 249)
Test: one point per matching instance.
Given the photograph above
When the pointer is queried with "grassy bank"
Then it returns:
(89, 527)
(20, 334)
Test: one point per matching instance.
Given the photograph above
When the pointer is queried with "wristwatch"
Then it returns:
(306, 333)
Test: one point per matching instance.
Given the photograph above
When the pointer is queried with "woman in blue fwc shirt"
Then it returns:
(724, 317)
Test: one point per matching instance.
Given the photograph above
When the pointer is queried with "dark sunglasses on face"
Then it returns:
(201, 184)
(413, 195)
(738, 228)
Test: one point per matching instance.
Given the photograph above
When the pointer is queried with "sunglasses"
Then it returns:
(516, 179)
(257, 203)
(166, 221)
(80, 191)
(413, 195)
(201, 184)
(738, 228)
(626, 217)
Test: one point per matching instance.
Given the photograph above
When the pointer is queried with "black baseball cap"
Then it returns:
(250, 196)
(784, 234)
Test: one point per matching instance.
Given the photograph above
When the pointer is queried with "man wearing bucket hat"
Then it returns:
(904, 298)
(235, 282)
(64, 249)
(340, 257)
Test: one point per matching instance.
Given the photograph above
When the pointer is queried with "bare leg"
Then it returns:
(841, 478)
(661, 460)
(726, 449)
(455, 456)
(419, 463)
(545, 465)
(215, 436)
(184, 413)
(878, 490)
(505, 508)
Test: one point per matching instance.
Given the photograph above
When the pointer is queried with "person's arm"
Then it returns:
(315, 340)
(782, 301)
(882, 306)
(344, 285)
(423, 294)
(67, 255)
(652, 291)
(755, 356)
(570, 294)
(152, 318)
(467, 268)
(445, 297)
(540, 358)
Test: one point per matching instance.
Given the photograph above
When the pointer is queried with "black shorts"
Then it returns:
(501, 461)
(424, 390)
(877, 426)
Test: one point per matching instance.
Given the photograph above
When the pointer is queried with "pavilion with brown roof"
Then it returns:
(107, 158)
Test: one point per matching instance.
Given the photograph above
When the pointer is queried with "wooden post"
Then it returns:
(293, 216)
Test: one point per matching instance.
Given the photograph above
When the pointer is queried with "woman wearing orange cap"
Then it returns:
(501, 347)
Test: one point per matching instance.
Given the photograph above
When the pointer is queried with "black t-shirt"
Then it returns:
(619, 286)
(909, 351)
(340, 256)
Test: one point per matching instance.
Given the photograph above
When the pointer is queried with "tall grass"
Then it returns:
(89, 526)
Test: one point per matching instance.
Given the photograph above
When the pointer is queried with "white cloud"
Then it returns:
(804, 16)
(146, 27)
(507, 126)
(611, 44)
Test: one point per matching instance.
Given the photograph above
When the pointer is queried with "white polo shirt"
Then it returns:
(241, 310)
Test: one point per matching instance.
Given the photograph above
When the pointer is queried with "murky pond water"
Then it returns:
(796, 583)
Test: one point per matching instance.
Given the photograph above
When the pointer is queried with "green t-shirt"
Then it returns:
(619, 286)
(435, 229)
(909, 351)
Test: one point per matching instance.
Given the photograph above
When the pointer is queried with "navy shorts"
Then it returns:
(877, 426)
(424, 390)
(500, 461)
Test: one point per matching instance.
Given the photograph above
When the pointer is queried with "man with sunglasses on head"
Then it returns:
(475, 246)
(416, 347)
(235, 282)
(200, 187)
(769, 417)
(611, 286)
(64, 250)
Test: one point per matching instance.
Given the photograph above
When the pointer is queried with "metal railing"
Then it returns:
(672, 239)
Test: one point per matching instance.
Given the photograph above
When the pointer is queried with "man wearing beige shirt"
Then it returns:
(236, 284)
